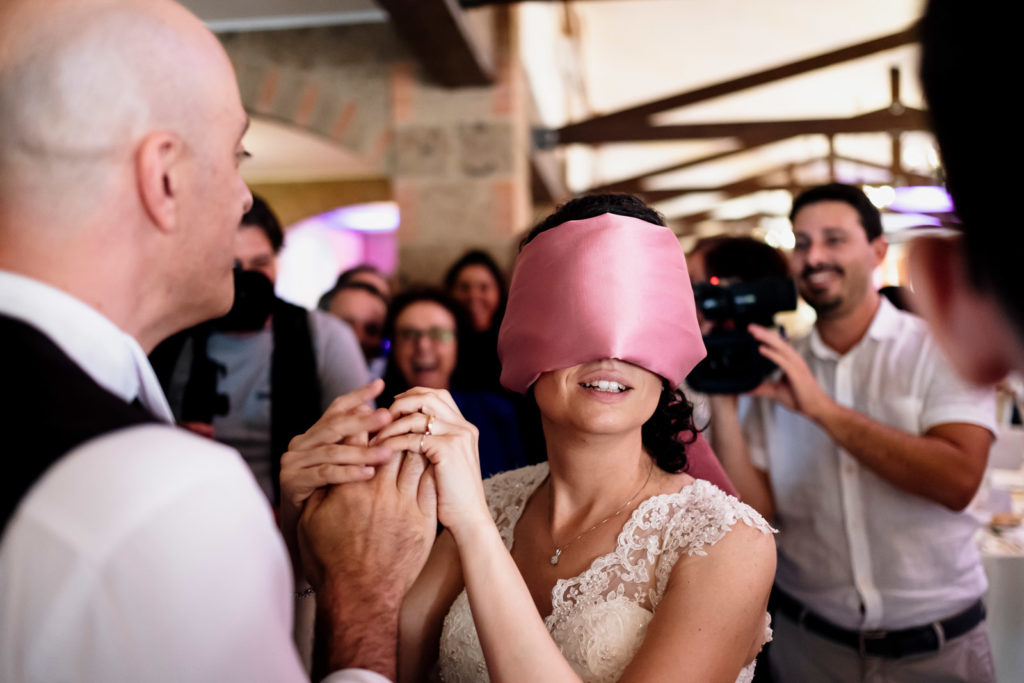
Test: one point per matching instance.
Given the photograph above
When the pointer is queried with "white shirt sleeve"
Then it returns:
(146, 555)
(948, 398)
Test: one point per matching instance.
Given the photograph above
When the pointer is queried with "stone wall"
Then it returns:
(455, 159)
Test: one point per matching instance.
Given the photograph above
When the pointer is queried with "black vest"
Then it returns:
(48, 406)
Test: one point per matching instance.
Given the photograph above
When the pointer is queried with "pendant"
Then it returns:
(554, 558)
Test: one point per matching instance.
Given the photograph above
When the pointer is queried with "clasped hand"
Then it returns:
(451, 446)
(365, 488)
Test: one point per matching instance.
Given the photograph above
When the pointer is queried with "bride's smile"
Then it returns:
(601, 397)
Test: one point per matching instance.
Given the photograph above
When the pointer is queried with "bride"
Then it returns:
(608, 562)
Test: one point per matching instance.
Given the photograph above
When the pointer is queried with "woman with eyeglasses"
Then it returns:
(426, 327)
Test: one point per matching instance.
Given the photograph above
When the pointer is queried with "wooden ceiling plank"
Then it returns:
(437, 33)
(851, 52)
(882, 121)
(635, 183)
(909, 176)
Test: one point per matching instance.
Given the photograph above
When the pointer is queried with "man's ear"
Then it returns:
(967, 322)
(158, 167)
(881, 247)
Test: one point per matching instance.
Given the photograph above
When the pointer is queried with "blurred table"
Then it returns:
(1002, 553)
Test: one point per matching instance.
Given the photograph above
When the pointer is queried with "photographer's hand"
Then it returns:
(798, 390)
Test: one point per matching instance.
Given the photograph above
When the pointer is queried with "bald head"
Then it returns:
(122, 127)
(82, 80)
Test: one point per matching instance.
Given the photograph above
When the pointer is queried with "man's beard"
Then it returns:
(825, 308)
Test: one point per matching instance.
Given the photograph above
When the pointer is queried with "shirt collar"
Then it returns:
(884, 325)
(111, 357)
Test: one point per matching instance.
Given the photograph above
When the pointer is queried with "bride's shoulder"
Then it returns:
(701, 514)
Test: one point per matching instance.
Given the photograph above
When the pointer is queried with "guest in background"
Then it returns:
(476, 282)
(265, 372)
(364, 272)
(426, 328)
(364, 308)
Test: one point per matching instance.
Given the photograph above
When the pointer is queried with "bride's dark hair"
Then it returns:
(668, 432)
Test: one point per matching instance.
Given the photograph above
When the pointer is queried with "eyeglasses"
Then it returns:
(434, 334)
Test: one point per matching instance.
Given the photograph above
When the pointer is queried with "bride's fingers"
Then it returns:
(433, 447)
(434, 401)
(412, 442)
(413, 422)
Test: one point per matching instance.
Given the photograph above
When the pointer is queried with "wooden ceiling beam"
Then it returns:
(909, 176)
(881, 121)
(592, 126)
(754, 183)
(546, 175)
(437, 33)
(707, 214)
(634, 184)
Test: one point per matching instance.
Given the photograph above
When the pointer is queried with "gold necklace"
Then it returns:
(560, 548)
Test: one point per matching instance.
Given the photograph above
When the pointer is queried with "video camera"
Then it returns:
(733, 364)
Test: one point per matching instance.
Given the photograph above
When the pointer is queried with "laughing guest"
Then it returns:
(426, 328)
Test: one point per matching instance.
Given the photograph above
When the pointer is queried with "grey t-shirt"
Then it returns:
(246, 382)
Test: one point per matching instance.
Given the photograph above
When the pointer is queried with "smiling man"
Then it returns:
(865, 452)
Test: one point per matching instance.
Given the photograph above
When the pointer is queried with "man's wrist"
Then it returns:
(360, 626)
(824, 412)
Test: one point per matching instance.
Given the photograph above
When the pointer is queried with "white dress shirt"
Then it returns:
(852, 547)
(148, 554)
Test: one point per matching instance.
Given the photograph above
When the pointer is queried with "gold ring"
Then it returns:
(430, 421)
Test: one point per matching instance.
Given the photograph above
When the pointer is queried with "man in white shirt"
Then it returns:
(132, 550)
(865, 452)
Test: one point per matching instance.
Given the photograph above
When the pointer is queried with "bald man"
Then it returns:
(132, 550)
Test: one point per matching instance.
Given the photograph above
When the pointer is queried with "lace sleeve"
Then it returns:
(697, 518)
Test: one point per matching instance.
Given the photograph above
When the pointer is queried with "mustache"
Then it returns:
(820, 268)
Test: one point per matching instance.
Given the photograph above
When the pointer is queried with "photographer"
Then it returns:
(865, 453)
(743, 280)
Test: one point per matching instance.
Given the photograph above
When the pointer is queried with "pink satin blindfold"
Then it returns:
(604, 287)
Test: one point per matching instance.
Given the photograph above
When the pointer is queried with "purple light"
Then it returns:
(370, 217)
(922, 199)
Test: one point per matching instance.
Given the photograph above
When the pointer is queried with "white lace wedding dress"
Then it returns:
(599, 618)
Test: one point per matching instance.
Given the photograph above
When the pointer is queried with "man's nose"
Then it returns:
(815, 254)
